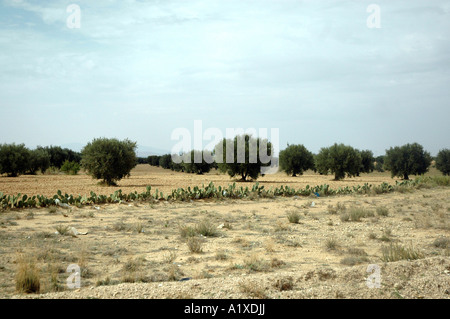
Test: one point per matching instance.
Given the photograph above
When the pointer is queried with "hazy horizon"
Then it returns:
(141, 69)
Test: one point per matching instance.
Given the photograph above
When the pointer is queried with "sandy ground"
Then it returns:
(166, 180)
(140, 250)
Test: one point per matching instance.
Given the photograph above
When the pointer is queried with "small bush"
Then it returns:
(339, 208)
(187, 231)
(355, 214)
(382, 211)
(354, 260)
(331, 244)
(195, 245)
(221, 255)
(27, 277)
(206, 228)
(283, 284)
(441, 242)
(254, 263)
(120, 226)
(395, 252)
(293, 217)
(70, 168)
(253, 289)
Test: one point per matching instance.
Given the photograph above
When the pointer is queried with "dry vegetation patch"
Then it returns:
(264, 248)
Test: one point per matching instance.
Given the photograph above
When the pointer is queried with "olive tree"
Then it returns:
(443, 161)
(296, 159)
(241, 156)
(196, 163)
(14, 159)
(340, 160)
(409, 159)
(109, 159)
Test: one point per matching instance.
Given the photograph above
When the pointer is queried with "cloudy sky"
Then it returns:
(311, 68)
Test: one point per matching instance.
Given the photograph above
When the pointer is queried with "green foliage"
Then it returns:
(241, 156)
(409, 159)
(443, 161)
(153, 160)
(296, 159)
(59, 155)
(14, 159)
(196, 163)
(39, 160)
(339, 159)
(213, 192)
(109, 159)
(378, 165)
(70, 168)
(367, 161)
(165, 161)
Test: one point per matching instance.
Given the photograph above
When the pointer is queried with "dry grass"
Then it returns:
(253, 235)
(27, 275)
(396, 252)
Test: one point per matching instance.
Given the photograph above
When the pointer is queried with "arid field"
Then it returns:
(281, 247)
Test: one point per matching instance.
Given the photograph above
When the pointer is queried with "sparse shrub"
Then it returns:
(170, 257)
(285, 283)
(221, 255)
(253, 289)
(355, 214)
(395, 252)
(382, 211)
(331, 244)
(441, 242)
(293, 217)
(27, 277)
(206, 228)
(105, 282)
(133, 265)
(138, 228)
(339, 208)
(187, 231)
(195, 245)
(354, 260)
(255, 263)
(120, 226)
(276, 263)
(281, 227)
(357, 252)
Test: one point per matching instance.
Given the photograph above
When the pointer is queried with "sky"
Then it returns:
(319, 71)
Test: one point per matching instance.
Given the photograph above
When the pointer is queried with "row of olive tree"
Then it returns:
(226, 156)
(343, 160)
(112, 160)
(16, 159)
